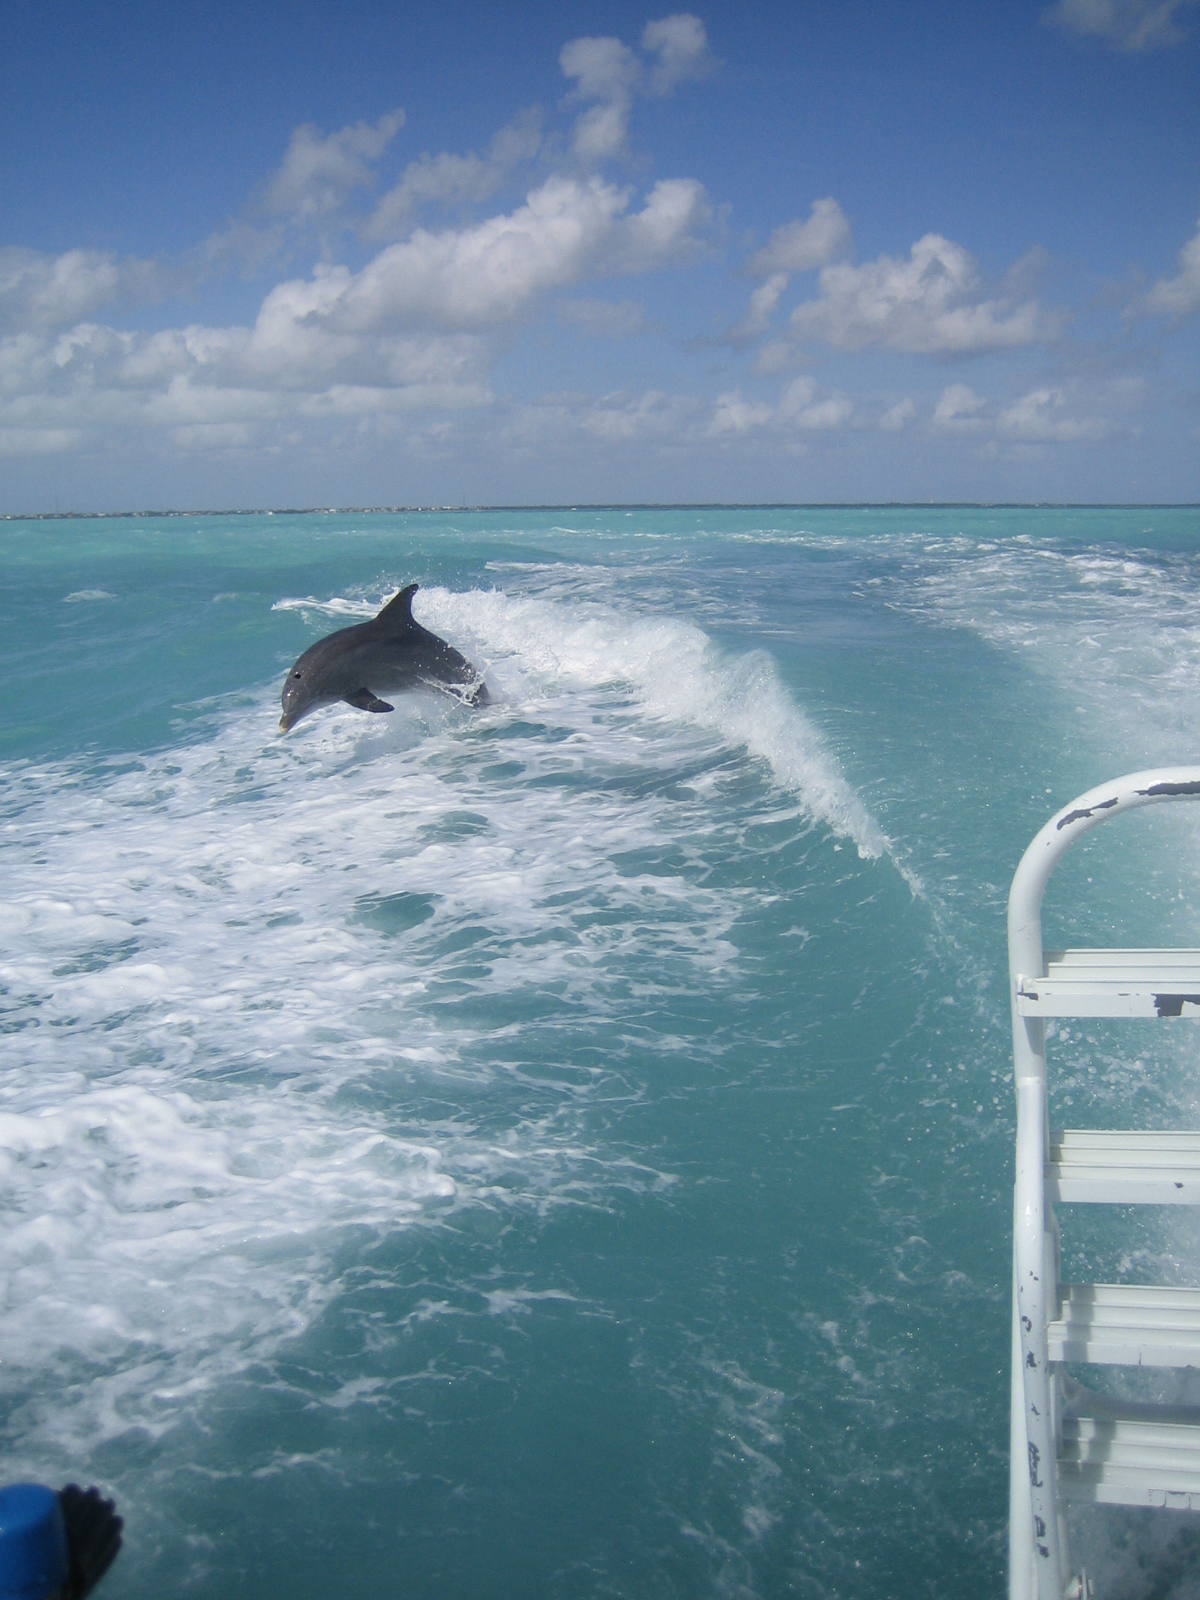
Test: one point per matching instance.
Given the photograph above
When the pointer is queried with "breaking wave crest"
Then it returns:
(535, 647)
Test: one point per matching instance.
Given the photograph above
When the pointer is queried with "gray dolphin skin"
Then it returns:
(392, 651)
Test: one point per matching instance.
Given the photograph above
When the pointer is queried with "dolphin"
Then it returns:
(392, 651)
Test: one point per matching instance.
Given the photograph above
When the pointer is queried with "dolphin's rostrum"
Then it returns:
(392, 651)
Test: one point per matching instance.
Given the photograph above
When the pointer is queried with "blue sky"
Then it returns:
(466, 254)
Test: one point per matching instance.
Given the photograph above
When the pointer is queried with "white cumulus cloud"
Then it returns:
(607, 72)
(602, 131)
(42, 291)
(321, 171)
(1041, 415)
(800, 408)
(407, 332)
(603, 69)
(221, 388)
(669, 227)
(893, 420)
(823, 236)
(797, 408)
(930, 304)
(483, 275)
(610, 75)
(448, 179)
(733, 414)
(959, 410)
(829, 413)
(681, 45)
(618, 418)
(760, 310)
(796, 247)
(1128, 25)
(1179, 295)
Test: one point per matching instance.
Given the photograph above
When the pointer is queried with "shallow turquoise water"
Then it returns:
(563, 1149)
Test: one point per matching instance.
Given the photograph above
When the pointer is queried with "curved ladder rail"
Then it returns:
(1080, 983)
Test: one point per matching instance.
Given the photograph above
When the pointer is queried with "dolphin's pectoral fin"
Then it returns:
(366, 701)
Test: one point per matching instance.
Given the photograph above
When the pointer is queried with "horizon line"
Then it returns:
(611, 505)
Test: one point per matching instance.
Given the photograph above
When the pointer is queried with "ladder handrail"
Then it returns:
(1037, 1555)
(1053, 841)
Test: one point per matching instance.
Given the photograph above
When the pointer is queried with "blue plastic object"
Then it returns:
(33, 1543)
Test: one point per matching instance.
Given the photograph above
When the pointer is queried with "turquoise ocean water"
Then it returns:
(565, 1149)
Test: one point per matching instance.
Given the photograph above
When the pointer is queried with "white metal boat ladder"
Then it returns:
(1066, 1442)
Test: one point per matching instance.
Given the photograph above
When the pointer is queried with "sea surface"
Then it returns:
(565, 1148)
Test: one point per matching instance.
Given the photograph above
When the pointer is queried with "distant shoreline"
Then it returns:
(619, 505)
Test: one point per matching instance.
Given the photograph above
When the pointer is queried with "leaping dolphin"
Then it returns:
(392, 651)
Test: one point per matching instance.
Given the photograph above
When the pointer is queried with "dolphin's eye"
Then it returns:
(295, 674)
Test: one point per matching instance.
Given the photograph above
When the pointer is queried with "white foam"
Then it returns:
(234, 972)
(1118, 634)
(537, 646)
(81, 595)
(337, 607)
(157, 1238)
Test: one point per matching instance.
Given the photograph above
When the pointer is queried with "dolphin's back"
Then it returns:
(391, 651)
(379, 649)
(413, 649)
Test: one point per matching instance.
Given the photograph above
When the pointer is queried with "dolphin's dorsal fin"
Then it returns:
(397, 613)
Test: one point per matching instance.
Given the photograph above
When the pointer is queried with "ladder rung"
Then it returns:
(1127, 1462)
(1113, 983)
(1120, 1168)
(1127, 1325)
